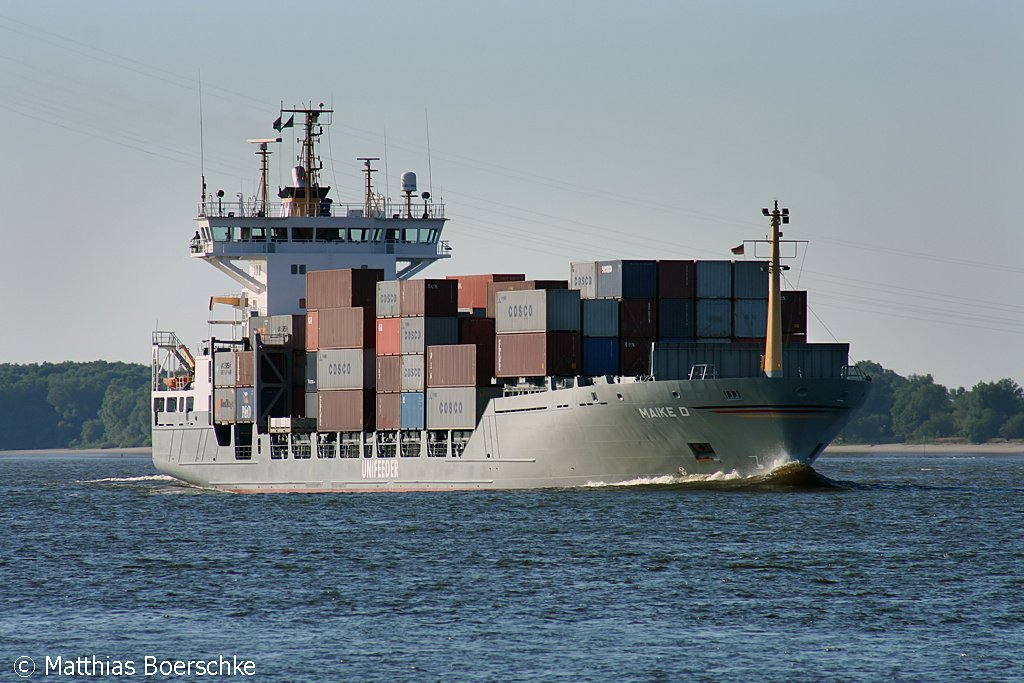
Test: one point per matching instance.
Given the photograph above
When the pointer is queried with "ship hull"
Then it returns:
(606, 434)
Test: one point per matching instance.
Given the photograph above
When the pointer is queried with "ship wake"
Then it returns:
(786, 476)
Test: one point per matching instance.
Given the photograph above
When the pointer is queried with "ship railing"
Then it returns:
(853, 372)
(703, 371)
(255, 209)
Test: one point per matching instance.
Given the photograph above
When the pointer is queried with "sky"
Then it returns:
(552, 132)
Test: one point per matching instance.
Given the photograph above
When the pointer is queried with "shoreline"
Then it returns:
(135, 450)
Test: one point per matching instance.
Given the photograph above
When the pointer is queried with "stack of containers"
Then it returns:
(234, 374)
(677, 291)
(714, 301)
(794, 317)
(426, 315)
(537, 333)
(340, 341)
(634, 286)
(750, 301)
(473, 290)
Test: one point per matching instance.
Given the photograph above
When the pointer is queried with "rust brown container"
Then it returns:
(389, 374)
(346, 410)
(346, 328)
(389, 411)
(479, 331)
(677, 279)
(459, 365)
(312, 326)
(429, 298)
(638, 318)
(473, 288)
(635, 356)
(245, 369)
(342, 288)
(518, 286)
(537, 354)
(389, 336)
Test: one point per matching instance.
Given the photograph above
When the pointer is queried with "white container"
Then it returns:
(345, 369)
(537, 310)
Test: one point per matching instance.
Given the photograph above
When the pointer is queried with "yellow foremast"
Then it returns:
(772, 365)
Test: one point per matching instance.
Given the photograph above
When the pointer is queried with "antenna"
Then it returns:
(369, 182)
(202, 156)
(430, 172)
(264, 154)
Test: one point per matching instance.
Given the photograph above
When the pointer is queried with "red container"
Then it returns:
(638, 318)
(345, 328)
(389, 336)
(389, 411)
(635, 356)
(536, 354)
(429, 298)
(389, 374)
(677, 279)
(495, 287)
(342, 288)
(312, 326)
(345, 410)
(459, 365)
(473, 288)
(794, 312)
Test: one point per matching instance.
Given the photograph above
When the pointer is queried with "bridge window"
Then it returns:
(259, 234)
(221, 234)
(172, 404)
(330, 234)
(279, 234)
(158, 405)
(302, 234)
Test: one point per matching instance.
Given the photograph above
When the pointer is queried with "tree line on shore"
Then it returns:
(100, 404)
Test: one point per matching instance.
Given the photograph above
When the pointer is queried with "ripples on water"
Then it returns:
(878, 567)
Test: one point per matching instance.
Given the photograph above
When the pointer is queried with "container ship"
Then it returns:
(334, 368)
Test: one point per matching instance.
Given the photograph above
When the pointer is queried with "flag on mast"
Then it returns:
(287, 124)
(738, 250)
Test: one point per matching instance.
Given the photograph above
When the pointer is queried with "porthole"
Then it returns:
(619, 396)
(675, 394)
(801, 392)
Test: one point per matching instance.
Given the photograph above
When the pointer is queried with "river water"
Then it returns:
(874, 567)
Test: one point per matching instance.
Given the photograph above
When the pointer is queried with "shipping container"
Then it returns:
(310, 404)
(342, 288)
(224, 405)
(600, 356)
(494, 287)
(345, 369)
(794, 312)
(389, 411)
(224, 372)
(473, 288)
(537, 354)
(389, 298)
(750, 280)
(677, 280)
(389, 336)
(310, 374)
(300, 361)
(346, 410)
(537, 310)
(714, 279)
(245, 368)
(413, 410)
(635, 356)
(622, 279)
(600, 318)
(714, 318)
(312, 327)
(457, 407)
(750, 317)
(245, 404)
(677, 318)
(477, 331)
(460, 365)
(389, 374)
(418, 333)
(638, 318)
(429, 297)
(279, 330)
(346, 328)
(413, 371)
(583, 276)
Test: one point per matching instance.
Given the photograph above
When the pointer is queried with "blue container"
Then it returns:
(676, 318)
(600, 318)
(750, 280)
(600, 356)
(749, 318)
(627, 279)
(413, 414)
(714, 318)
(714, 279)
